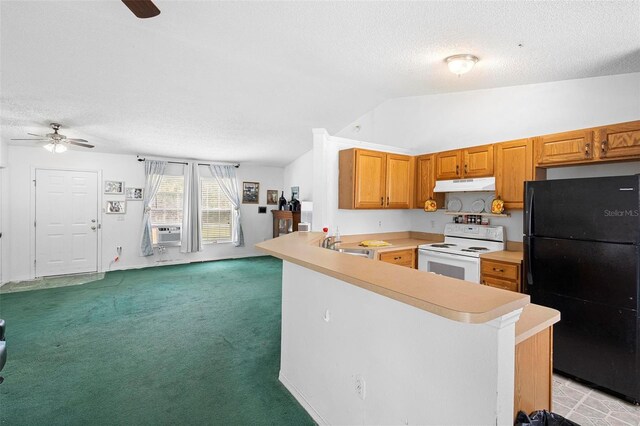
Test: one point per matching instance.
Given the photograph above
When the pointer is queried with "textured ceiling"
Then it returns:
(246, 81)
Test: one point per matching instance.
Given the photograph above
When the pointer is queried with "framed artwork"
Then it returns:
(113, 187)
(250, 192)
(272, 196)
(134, 194)
(116, 207)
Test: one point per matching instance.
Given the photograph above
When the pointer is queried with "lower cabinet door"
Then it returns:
(500, 283)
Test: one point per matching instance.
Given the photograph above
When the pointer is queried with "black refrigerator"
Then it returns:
(582, 257)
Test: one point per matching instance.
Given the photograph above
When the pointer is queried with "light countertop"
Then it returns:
(447, 297)
(504, 256)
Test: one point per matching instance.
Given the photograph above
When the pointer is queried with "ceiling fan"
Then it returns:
(57, 141)
(142, 8)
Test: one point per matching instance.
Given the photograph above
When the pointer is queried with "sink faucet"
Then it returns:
(330, 243)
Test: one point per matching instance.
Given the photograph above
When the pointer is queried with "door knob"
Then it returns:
(93, 221)
(93, 228)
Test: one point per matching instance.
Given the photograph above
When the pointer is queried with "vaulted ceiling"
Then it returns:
(246, 81)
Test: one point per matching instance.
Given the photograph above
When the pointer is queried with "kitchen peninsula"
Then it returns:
(367, 342)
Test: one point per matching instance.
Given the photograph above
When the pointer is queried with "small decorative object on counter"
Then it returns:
(282, 202)
(430, 206)
(497, 206)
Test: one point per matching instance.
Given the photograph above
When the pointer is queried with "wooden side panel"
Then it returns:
(533, 373)
(448, 165)
(346, 175)
(399, 185)
(564, 148)
(514, 166)
(478, 161)
(370, 172)
(425, 181)
(620, 141)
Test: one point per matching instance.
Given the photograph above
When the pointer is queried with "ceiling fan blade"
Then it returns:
(142, 8)
(76, 140)
(40, 136)
(30, 139)
(82, 144)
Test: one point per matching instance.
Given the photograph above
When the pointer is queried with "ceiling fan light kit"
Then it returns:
(56, 148)
(461, 64)
(57, 143)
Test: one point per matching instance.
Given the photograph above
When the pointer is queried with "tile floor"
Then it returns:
(50, 282)
(587, 406)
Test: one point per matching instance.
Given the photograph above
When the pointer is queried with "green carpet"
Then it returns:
(187, 344)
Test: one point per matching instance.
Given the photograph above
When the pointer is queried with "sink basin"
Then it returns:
(362, 252)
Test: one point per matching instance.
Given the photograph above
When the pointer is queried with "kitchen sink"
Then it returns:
(362, 252)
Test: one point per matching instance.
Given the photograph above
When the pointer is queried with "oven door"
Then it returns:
(451, 265)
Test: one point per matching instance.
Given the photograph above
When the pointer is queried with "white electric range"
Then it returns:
(459, 255)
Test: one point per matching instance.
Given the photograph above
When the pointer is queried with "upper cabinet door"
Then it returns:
(426, 180)
(514, 166)
(478, 161)
(370, 179)
(562, 148)
(399, 181)
(618, 141)
(448, 165)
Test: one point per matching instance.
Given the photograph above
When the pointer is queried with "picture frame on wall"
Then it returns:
(250, 192)
(113, 187)
(134, 194)
(116, 207)
(272, 196)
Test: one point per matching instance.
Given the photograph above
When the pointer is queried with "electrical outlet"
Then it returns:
(361, 387)
(433, 224)
(379, 224)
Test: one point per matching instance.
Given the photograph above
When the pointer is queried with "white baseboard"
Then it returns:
(302, 400)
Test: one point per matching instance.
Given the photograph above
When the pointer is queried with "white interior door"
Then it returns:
(66, 222)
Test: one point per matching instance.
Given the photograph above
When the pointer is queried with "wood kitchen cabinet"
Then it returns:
(405, 257)
(514, 166)
(500, 274)
(375, 180)
(465, 163)
(426, 181)
(618, 141)
(564, 148)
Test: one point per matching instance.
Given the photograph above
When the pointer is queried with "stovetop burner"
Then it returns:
(478, 248)
(443, 245)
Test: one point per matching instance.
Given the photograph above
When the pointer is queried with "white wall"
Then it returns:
(119, 230)
(414, 364)
(325, 191)
(300, 173)
(453, 120)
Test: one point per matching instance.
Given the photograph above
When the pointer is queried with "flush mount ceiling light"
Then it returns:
(56, 148)
(460, 64)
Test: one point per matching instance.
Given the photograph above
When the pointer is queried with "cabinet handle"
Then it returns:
(498, 270)
(457, 170)
(603, 147)
(587, 149)
(387, 201)
(397, 258)
(382, 201)
(466, 169)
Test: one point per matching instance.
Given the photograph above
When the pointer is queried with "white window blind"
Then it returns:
(166, 207)
(217, 217)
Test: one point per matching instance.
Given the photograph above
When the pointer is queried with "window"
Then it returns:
(166, 206)
(217, 213)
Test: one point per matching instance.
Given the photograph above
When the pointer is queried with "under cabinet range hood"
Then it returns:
(462, 185)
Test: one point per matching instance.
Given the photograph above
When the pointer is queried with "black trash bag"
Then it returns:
(542, 418)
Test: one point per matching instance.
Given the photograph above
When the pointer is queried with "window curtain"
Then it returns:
(226, 178)
(191, 240)
(153, 170)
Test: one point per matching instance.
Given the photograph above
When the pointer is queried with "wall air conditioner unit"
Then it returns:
(167, 235)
